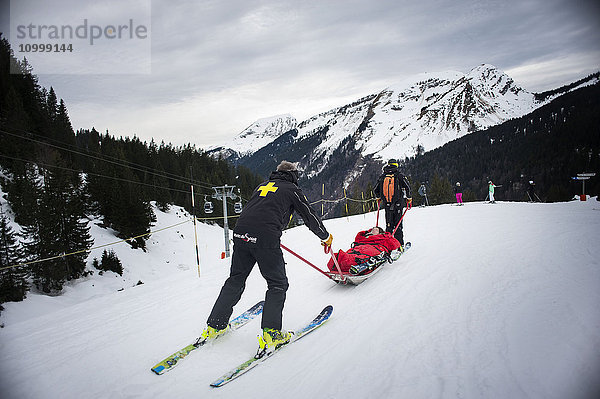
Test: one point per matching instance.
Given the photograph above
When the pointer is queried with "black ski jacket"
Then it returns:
(401, 184)
(268, 212)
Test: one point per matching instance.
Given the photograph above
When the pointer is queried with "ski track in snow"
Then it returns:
(492, 301)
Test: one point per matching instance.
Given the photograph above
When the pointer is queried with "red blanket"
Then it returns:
(362, 249)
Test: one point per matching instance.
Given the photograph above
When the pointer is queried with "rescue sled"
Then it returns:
(355, 279)
(360, 262)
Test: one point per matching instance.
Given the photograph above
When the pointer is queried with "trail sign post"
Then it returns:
(583, 177)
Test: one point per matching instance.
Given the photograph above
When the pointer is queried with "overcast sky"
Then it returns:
(218, 65)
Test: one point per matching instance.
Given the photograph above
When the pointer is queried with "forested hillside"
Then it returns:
(55, 180)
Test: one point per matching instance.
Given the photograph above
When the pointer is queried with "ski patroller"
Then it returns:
(171, 361)
(259, 358)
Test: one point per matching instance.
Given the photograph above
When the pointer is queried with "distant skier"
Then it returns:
(533, 197)
(256, 239)
(491, 187)
(392, 188)
(458, 192)
(423, 194)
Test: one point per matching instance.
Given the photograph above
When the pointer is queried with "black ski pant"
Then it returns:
(271, 266)
(393, 214)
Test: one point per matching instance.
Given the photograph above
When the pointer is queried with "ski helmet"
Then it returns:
(393, 162)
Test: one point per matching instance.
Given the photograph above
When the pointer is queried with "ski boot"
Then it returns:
(270, 340)
(359, 268)
(210, 333)
(377, 260)
(396, 253)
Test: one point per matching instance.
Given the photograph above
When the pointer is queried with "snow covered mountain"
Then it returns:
(255, 136)
(418, 114)
(425, 110)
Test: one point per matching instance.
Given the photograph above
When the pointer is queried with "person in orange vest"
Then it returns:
(393, 190)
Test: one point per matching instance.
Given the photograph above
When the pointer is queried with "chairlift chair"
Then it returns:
(208, 206)
(237, 207)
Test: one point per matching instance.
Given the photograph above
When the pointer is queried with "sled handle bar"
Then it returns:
(400, 221)
(315, 267)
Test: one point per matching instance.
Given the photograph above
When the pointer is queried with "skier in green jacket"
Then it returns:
(491, 187)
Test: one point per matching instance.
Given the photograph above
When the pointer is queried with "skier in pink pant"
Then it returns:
(458, 191)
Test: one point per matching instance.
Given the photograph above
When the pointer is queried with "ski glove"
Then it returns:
(327, 243)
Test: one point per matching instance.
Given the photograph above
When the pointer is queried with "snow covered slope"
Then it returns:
(492, 301)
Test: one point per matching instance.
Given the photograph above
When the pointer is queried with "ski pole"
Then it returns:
(377, 222)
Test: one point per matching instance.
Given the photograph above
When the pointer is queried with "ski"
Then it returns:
(171, 361)
(257, 359)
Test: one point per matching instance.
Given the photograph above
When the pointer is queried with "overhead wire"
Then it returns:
(93, 174)
(117, 160)
(121, 163)
(110, 244)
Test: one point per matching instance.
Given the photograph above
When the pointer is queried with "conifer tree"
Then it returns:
(110, 262)
(13, 282)
(440, 191)
(160, 192)
(59, 229)
(23, 193)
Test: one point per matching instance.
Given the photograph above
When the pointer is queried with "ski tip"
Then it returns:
(259, 305)
(327, 310)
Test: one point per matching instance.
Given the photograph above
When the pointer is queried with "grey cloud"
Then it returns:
(204, 48)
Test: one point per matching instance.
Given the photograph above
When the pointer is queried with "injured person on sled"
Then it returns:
(370, 249)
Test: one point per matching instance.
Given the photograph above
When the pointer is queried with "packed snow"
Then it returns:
(492, 301)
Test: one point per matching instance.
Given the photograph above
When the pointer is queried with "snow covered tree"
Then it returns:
(13, 282)
(59, 229)
(109, 262)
